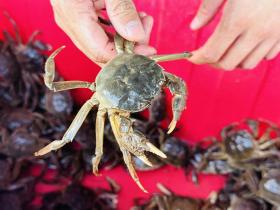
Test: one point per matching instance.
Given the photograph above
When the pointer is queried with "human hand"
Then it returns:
(79, 20)
(248, 32)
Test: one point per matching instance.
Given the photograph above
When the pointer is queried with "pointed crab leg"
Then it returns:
(171, 57)
(119, 43)
(62, 85)
(178, 88)
(100, 119)
(126, 154)
(72, 130)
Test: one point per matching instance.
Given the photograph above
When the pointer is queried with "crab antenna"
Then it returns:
(14, 24)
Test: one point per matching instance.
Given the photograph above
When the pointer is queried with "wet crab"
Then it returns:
(267, 186)
(26, 64)
(126, 84)
(242, 147)
(168, 200)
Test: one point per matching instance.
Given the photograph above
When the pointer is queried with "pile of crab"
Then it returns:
(248, 153)
(32, 116)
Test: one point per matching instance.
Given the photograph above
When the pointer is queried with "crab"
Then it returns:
(267, 186)
(126, 84)
(22, 65)
(168, 200)
(243, 148)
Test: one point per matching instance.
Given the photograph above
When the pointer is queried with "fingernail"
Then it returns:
(134, 28)
(195, 24)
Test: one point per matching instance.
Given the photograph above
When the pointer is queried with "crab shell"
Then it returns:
(129, 82)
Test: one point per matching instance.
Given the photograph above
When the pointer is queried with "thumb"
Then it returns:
(125, 19)
(206, 11)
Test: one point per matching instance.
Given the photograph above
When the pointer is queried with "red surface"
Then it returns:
(216, 98)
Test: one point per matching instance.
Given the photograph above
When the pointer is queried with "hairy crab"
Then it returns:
(265, 186)
(126, 84)
(25, 62)
(243, 148)
(168, 200)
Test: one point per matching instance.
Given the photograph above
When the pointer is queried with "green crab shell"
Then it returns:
(129, 82)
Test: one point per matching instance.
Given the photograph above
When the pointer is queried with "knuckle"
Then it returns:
(121, 8)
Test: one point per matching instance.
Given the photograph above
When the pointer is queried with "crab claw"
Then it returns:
(172, 126)
(155, 150)
(145, 160)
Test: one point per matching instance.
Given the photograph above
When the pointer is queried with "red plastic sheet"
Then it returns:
(216, 98)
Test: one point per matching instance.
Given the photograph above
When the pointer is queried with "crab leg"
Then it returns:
(171, 57)
(72, 130)
(269, 143)
(178, 88)
(135, 142)
(62, 85)
(128, 46)
(32, 37)
(100, 119)
(126, 155)
(14, 24)
(119, 43)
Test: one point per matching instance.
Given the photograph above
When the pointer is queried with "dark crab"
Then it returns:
(241, 147)
(126, 84)
(265, 186)
(176, 150)
(27, 65)
(77, 197)
(252, 203)
(22, 144)
(202, 163)
(167, 200)
(19, 198)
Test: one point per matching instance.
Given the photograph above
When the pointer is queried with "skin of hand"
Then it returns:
(79, 20)
(248, 32)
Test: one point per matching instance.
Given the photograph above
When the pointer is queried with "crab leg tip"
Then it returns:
(141, 187)
(146, 160)
(57, 51)
(40, 153)
(155, 150)
(172, 126)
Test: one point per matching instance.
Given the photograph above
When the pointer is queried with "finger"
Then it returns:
(147, 22)
(258, 54)
(218, 43)
(89, 36)
(238, 51)
(273, 52)
(125, 19)
(206, 12)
